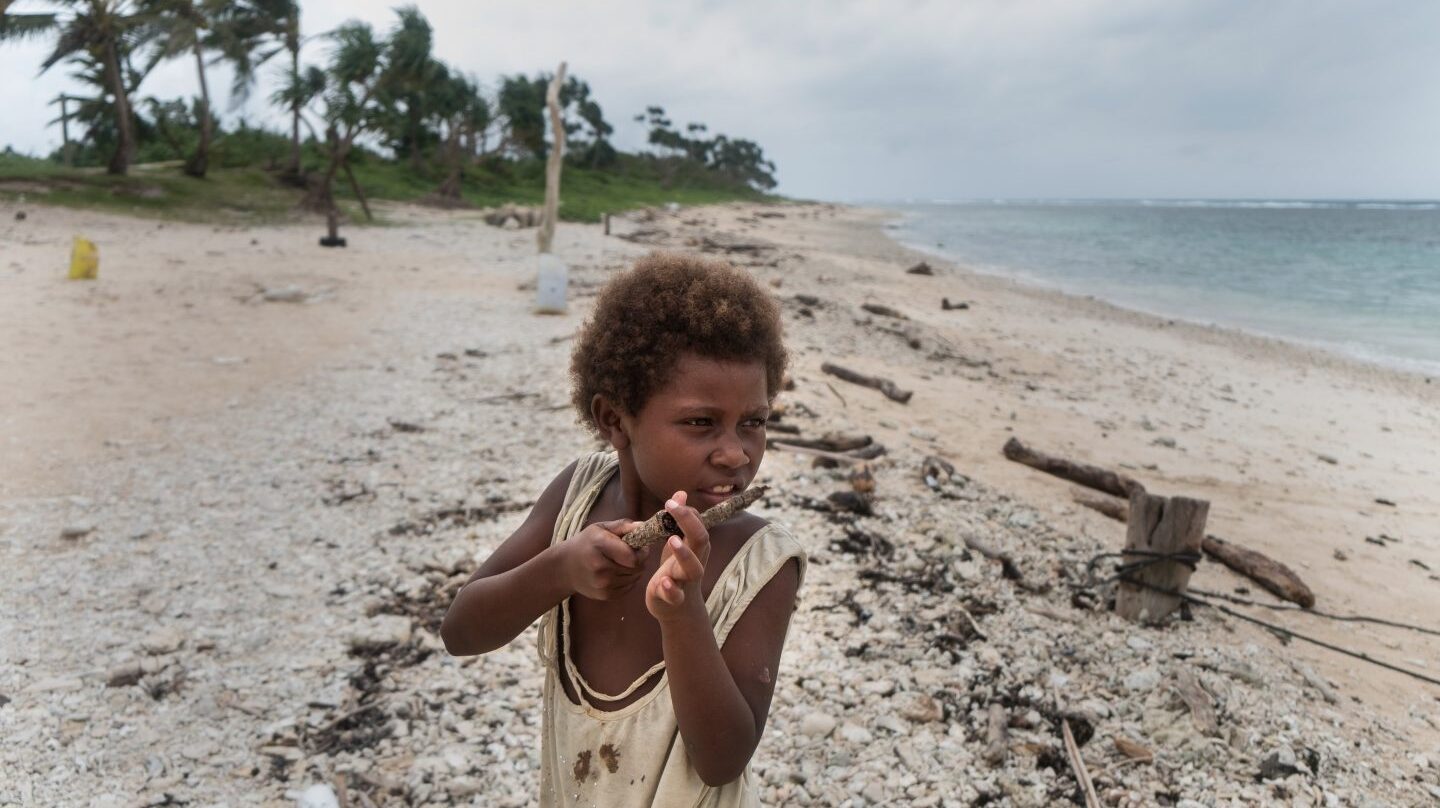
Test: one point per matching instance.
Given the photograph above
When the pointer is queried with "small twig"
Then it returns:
(843, 405)
(1077, 765)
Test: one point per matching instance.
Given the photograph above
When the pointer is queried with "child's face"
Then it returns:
(703, 431)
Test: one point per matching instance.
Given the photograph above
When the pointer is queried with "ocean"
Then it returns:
(1361, 278)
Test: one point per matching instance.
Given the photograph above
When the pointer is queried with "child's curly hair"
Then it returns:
(665, 305)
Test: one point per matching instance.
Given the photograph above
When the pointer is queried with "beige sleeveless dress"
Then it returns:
(634, 755)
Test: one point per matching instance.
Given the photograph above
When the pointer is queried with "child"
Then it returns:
(660, 663)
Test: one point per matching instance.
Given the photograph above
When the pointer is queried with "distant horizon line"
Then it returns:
(1378, 202)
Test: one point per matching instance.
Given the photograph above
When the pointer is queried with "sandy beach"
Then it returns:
(249, 469)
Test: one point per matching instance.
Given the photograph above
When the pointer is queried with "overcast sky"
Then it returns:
(954, 100)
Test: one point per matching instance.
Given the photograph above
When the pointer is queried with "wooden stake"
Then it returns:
(546, 236)
(1159, 525)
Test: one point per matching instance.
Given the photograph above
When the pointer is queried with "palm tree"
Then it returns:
(180, 27)
(353, 81)
(412, 75)
(250, 33)
(103, 30)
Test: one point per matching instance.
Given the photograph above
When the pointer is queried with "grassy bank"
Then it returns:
(255, 194)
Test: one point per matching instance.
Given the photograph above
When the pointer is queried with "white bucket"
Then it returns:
(550, 285)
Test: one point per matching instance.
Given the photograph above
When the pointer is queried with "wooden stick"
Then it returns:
(883, 385)
(1277, 578)
(1077, 765)
(663, 525)
(787, 446)
(1093, 476)
(1110, 506)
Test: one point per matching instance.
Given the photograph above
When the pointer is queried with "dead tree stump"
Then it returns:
(1159, 525)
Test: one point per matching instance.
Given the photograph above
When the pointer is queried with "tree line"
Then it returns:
(383, 91)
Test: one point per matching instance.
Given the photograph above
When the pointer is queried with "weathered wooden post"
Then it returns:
(546, 235)
(1159, 525)
(552, 276)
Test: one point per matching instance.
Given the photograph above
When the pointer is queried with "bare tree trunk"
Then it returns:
(124, 122)
(293, 43)
(455, 160)
(199, 162)
(546, 236)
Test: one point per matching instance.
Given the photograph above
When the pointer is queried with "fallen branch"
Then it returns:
(1110, 506)
(875, 382)
(1092, 476)
(833, 442)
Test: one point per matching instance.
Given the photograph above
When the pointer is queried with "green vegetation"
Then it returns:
(253, 193)
(381, 113)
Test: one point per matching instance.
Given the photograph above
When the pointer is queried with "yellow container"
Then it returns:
(84, 260)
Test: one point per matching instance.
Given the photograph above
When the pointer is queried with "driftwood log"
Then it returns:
(662, 525)
(1162, 525)
(546, 236)
(1277, 578)
(1092, 476)
(874, 382)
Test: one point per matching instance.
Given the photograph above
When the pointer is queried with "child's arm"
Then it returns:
(721, 696)
(527, 576)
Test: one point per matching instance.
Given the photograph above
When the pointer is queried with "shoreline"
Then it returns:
(1425, 369)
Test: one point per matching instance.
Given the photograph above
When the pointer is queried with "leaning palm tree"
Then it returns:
(102, 30)
(250, 33)
(179, 28)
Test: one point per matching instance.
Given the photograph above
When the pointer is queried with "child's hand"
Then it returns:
(682, 565)
(599, 564)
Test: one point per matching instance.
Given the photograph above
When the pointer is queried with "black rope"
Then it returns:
(1344, 618)
(1190, 559)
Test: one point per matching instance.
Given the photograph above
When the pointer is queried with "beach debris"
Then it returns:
(883, 311)
(862, 480)
(662, 525)
(1077, 765)
(921, 268)
(458, 516)
(74, 532)
(1421, 564)
(959, 305)
(875, 382)
(997, 741)
(1113, 507)
(1008, 568)
(936, 471)
(19, 215)
(832, 442)
(1202, 705)
(1274, 576)
(1384, 501)
(1316, 681)
(1325, 458)
(1339, 555)
(84, 260)
(729, 244)
(1279, 764)
(1092, 476)
(404, 426)
(1132, 750)
(284, 294)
